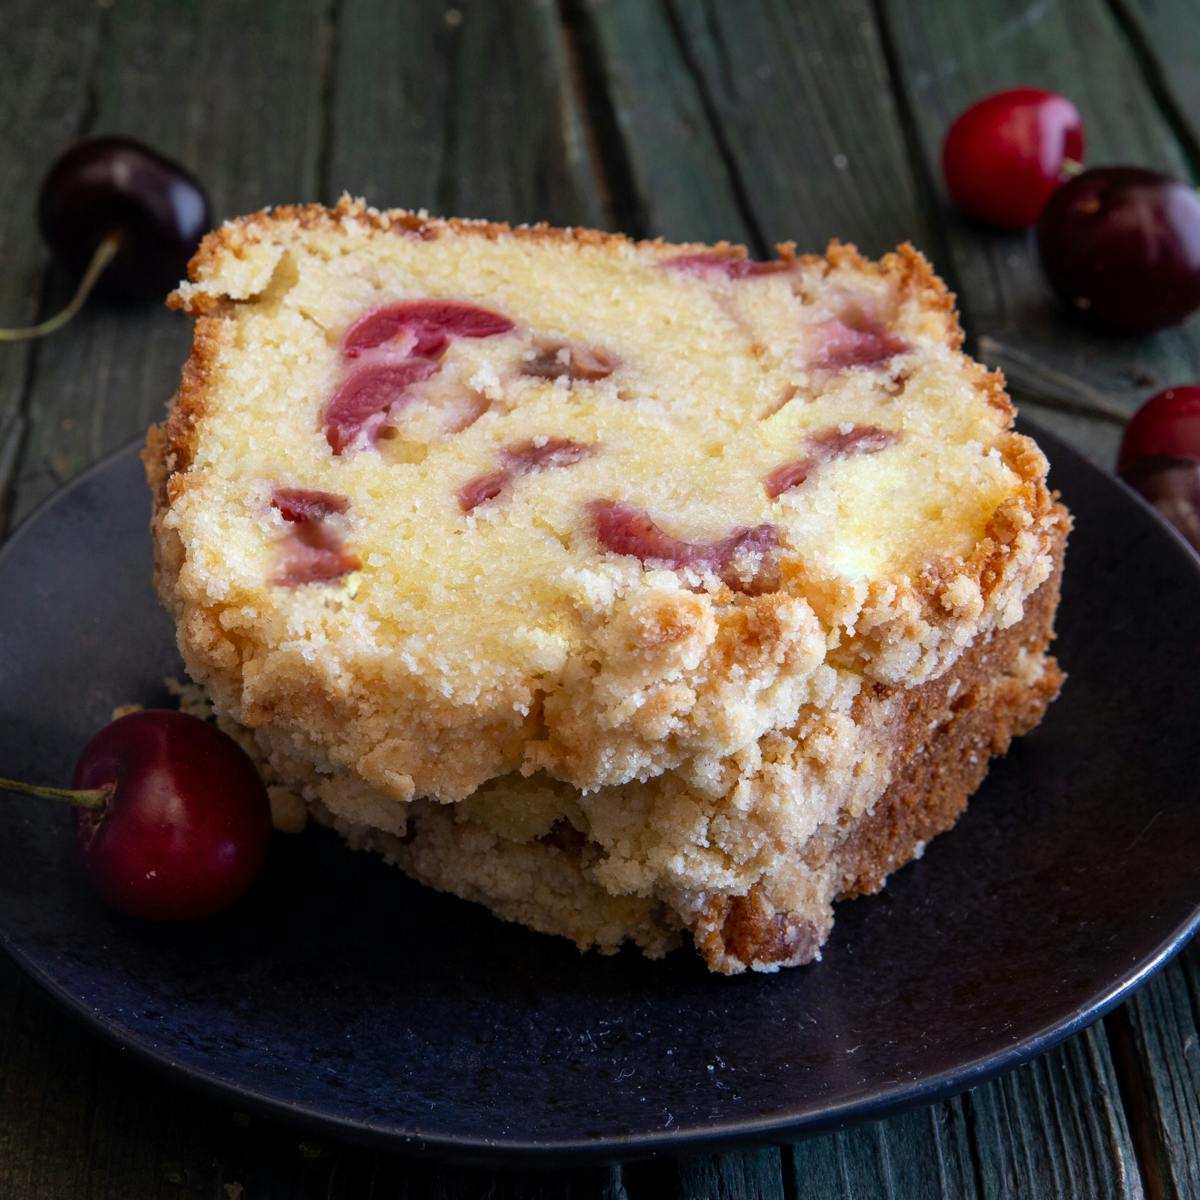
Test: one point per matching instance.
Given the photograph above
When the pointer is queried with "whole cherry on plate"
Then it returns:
(1160, 457)
(1007, 154)
(1122, 245)
(172, 819)
(123, 218)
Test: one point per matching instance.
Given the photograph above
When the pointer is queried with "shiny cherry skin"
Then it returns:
(1166, 426)
(1006, 155)
(1160, 457)
(186, 829)
(1122, 245)
(117, 186)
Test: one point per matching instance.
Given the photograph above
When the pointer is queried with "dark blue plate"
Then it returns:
(342, 995)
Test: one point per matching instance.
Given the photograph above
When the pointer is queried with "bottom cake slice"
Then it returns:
(537, 852)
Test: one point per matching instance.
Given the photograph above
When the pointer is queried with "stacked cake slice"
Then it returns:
(629, 589)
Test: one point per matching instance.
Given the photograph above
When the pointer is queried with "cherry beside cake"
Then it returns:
(630, 589)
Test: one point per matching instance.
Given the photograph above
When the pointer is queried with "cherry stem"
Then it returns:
(88, 798)
(105, 253)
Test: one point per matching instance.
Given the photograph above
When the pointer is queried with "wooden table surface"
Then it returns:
(756, 122)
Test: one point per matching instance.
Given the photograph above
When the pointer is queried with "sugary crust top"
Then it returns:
(850, 516)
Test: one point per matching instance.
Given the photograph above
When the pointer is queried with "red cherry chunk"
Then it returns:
(314, 553)
(855, 340)
(422, 327)
(731, 266)
(188, 825)
(825, 447)
(519, 460)
(1006, 155)
(624, 529)
(1122, 246)
(553, 452)
(361, 405)
(482, 488)
(302, 504)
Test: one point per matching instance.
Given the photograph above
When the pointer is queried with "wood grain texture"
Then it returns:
(466, 109)
(948, 55)
(1157, 1038)
(251, 132)
(926, 1153)
(38, 118)
(1166, 33)
(1056, 1127)
(737, 1175)
(681, 185)
(806, 109)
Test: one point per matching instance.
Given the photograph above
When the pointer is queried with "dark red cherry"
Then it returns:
(1166, 426)
(1122, 245)
(186, 828)
(1160, 457)
(115, 186)
(1006, 155)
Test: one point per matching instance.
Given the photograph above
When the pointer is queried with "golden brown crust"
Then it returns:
(945, 733)
(908, 269)
(999, 689)
(906, 266)
(736, 932)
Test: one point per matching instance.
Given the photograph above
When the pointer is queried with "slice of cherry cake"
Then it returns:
(627, 588)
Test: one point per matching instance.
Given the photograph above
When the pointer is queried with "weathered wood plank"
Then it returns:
(1098, 440)
(808, 114)
(73, 1120)
(736, 1175)
(679, 180)
(1159, 1034)
(925, 1153)
(948, 56)
(467, 110)
(1166, 34)
(251, 133)
(1056, 1128)
(39, 118)
(947, 59)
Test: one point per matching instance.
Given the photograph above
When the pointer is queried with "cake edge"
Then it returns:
(544, 888)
